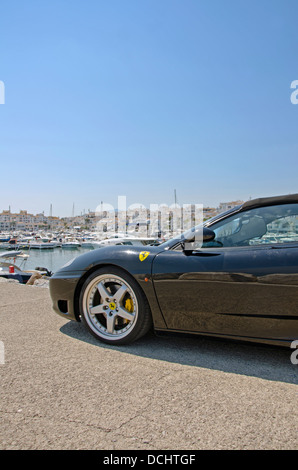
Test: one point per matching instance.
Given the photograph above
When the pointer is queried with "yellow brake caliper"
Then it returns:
(128, 306)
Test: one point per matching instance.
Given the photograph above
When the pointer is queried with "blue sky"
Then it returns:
(141, 97)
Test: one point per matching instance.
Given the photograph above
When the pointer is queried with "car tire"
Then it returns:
(113, 307)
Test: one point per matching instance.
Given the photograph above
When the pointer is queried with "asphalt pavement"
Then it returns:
(62, 389)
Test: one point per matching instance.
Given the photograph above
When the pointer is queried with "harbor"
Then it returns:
(49, 242)
(46, 253)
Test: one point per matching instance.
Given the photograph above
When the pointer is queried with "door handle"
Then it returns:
(204, 253)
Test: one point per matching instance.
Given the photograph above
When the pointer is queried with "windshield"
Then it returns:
(187, 234)
(182, 236)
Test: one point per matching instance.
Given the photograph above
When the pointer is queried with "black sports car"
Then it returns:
(241, 283)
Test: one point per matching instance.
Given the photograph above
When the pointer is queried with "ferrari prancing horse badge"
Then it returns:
(143, 255)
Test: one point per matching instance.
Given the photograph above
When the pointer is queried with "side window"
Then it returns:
(270, 224)
(283, 230)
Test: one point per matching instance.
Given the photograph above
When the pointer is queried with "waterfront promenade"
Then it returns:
(61, 389)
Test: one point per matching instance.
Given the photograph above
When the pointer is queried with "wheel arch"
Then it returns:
(91, 271)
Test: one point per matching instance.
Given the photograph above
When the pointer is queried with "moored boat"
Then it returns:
(10, 270)
(70, 242)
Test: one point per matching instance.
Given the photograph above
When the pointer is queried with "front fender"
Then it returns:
(136, 261)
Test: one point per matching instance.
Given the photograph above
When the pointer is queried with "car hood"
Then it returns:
(132, 258)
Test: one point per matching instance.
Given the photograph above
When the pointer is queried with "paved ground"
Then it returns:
(61, 389)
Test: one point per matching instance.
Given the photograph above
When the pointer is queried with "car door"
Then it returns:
(243, 284)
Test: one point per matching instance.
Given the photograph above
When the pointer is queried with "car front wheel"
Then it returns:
(113, 307)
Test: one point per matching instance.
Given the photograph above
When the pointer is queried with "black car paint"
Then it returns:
(223, 292)
(247, 292)
(66, 283)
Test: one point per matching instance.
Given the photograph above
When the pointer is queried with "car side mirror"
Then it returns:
(202, 235)
(208, 235)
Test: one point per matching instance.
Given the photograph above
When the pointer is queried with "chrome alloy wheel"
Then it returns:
(110, 307)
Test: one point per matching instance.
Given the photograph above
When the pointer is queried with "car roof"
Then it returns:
(269, 201)
(252, 203)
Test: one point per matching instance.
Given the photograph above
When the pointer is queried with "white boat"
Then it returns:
(4, 238)
(10, 270)
(70, 242)
(87, 244)
(42, 244)
(12, 255)
(12, 244)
